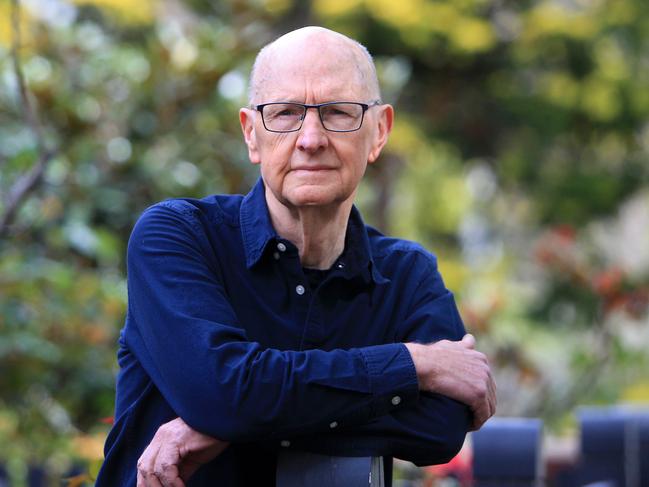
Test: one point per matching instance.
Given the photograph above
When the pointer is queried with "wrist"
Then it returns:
(415, 350)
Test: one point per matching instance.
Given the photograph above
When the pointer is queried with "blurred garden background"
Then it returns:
(520, 156)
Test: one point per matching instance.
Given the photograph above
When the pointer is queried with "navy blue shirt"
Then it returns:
(224, 330)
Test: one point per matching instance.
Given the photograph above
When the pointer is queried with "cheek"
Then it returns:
(275, 147)
(355, 155)
(275, 154)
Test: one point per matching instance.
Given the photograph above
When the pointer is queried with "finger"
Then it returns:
(491, 391)
(146, 462)
(147, 480)
(482, 407)
(140, 479)
(468, 341)
(170, 477)
(166, 465)
(153, 481)
(145, 477)
(484, 412)
(479, 417)
(493, 395)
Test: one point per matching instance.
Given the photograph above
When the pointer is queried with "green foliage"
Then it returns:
(519, 156)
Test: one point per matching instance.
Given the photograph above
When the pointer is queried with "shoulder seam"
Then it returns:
(406, 248)
(182, 207)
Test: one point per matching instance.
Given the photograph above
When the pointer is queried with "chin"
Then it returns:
(314, 197)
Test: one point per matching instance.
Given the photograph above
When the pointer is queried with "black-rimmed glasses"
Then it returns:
(336, 116)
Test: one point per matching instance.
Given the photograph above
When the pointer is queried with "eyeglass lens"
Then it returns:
(286, 117)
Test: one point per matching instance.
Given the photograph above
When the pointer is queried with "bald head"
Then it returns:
(323, 51)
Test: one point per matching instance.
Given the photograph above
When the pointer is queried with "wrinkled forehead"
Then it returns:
(316, 72)
(325, 83)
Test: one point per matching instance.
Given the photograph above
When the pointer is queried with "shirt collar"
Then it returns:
(357, 257)
(256, 227)
(257, 231)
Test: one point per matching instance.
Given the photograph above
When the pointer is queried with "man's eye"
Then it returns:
(287, 112)
(283, 112)
(338, 111)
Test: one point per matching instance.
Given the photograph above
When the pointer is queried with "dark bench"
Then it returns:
(507, 453)
(299, 469)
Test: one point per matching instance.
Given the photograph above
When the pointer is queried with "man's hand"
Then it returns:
(457, 370)
(174, 454)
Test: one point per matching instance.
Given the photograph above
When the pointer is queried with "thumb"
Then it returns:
(468, 341)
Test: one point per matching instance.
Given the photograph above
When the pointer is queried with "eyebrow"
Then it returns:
(347, 97)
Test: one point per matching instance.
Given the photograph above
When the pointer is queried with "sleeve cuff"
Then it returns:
(393, 378)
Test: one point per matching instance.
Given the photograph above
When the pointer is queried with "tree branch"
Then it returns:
(28, 181)
(21, 188)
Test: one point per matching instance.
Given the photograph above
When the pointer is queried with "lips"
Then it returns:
(312, 168)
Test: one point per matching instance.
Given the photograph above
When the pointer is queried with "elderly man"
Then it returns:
(279, 320)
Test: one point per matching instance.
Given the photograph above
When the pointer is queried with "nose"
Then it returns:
(312, 136)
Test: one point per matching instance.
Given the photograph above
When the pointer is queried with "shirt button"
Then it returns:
(333, 424)
(299, 289)
(396, 400)
(340, 265)
(276, 255)
(285, 443)
(281, 247)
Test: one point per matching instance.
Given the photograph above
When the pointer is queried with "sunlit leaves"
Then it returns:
(519, 156)
(140, 12)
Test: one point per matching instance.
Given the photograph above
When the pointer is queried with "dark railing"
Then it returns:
(612, 451)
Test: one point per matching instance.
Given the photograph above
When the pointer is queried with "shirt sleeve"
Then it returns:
(182, 329)
(430, 431)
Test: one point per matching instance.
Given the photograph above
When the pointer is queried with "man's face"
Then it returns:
(314, 166)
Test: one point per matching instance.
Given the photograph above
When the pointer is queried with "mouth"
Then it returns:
(313, 168)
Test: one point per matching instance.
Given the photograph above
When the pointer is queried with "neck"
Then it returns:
(317, 231)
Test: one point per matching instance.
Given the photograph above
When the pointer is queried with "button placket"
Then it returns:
(314, 331)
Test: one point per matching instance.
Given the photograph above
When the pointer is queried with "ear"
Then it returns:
(247, 120)
(384, 122)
